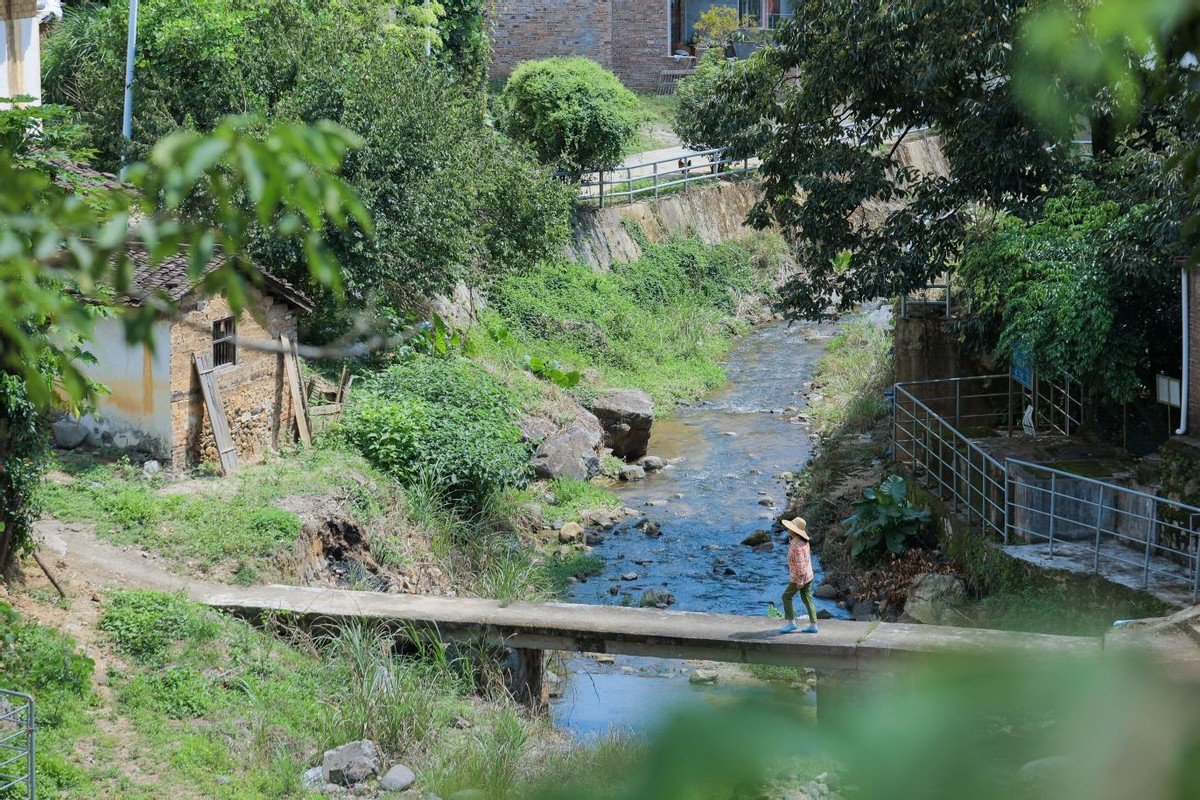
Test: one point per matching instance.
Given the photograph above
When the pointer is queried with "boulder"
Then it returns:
(313, 779)
(151, 468)
(935, 598)
(652, 463)
(650, 528)
(351, 763)
(626, 416)
(757, 538)
(69, 433)
(397, 779)
(570, 533)
(703, 676)
(865, 611)
(632, 472)
(657, 598)
(570, 453)
(826, 591)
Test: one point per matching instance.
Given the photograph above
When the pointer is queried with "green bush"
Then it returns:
(179, 692)
(444, 420)
(704, 117)
(144, 625)
(885, 519)
(574, 113)
(41, 662)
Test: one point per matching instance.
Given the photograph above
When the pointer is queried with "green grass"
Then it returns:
(219, 521)
(661, 323)
(571, 498)
(657, 111)
(851, 378)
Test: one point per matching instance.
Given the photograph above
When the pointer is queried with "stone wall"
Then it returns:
(524, 30)
(714, 213)
(254, 389)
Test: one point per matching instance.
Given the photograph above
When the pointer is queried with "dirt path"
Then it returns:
(88, 564)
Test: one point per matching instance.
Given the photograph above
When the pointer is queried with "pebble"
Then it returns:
(629, 576)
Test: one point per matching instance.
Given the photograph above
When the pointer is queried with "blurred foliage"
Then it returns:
(65, 238)
(575, 114)
(984, 729)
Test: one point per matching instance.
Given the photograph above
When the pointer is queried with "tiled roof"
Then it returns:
(170, 277)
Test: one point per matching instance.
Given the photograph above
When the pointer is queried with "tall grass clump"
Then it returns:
(852, 375)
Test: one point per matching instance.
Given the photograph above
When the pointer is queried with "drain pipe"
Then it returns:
(1183, 386)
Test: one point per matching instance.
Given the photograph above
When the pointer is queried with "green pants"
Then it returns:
(805, 591)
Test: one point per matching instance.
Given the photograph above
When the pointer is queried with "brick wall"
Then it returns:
(627, 36)
(525, 30)
(640, 42)
(1194, 365)
(254, 389)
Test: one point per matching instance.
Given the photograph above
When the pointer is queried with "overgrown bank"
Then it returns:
(878, 534)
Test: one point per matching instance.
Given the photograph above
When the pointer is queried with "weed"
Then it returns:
(143, 625)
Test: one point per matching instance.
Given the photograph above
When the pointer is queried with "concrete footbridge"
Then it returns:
(530, 628)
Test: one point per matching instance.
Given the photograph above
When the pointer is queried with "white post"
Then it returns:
(130, 49)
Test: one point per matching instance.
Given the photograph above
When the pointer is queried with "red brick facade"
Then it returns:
(627, 36)
(1194, 363)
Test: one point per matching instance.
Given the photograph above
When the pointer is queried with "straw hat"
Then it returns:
(797, 526)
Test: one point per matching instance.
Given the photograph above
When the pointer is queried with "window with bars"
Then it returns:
(224, 348)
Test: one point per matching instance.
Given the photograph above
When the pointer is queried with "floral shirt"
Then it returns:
(799, 561)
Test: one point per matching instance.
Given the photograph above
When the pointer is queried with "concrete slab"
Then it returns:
(648, 632)
(1168, 581)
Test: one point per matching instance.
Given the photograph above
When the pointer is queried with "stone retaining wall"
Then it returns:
(254, 389)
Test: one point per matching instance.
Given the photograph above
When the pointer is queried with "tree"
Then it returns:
(575, 114)
(839, 90)
(63, 254)
(450, 199)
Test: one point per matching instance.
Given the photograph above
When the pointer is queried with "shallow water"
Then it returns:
(722, 484)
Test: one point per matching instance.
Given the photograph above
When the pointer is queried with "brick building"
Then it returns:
(633, 38)
(155, 404)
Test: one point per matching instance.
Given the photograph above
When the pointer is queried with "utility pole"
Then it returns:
(130, 49)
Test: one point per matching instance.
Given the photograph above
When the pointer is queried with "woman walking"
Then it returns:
(801, 573)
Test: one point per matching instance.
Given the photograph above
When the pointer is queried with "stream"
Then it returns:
(725, 455)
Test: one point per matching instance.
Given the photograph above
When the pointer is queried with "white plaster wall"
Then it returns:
(24, 78)
(137, 412)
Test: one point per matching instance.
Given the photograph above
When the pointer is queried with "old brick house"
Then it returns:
(634, 38)
(156, 406)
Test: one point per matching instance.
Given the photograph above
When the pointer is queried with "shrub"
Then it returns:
(704, 117)
(41, 662)
(144, 624)
(885, 519)
(717, 25)
(440, 419)
(574, 113)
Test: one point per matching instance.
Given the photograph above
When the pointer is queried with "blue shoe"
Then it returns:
(791, 626)
(809, 629)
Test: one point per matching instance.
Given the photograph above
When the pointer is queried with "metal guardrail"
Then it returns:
(1020, 500)
(17, 750)
(947, 462)
(928, 297)
(654, 178)
(1115, 524)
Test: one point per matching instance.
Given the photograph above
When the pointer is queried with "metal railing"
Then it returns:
(929, 296)
(654, 178)
(1113, 524)
(17, 752)
(940, 455)
(935, 427)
